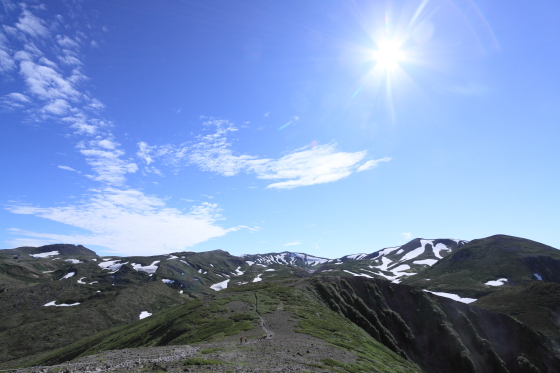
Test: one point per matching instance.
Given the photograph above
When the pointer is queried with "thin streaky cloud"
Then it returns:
(292, 243)
(68, 168)
(302, 167)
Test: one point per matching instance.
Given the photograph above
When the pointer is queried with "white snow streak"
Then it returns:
(144, 314)
(152, 268)
(68, 275)
(498, 282)
(452, 296)
(538, 276)
(356, 274)
(45, 255)
(220, 285)
(429, 262)
(53, 303)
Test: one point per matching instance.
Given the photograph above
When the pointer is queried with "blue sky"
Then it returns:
(325, 127)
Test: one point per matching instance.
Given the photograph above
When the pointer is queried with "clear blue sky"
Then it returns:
(325, 127)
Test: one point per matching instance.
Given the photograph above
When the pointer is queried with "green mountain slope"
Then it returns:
(226, 315)
(467, 271)
(388, 327)
(536, 304)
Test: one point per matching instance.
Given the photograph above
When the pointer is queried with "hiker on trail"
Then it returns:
(241, 340)
(245, 339)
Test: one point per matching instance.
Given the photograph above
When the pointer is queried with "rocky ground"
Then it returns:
(283, 350)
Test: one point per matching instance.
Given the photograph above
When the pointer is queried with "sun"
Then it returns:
(388, 55)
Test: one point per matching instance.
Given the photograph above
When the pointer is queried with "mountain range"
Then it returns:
(393, 308)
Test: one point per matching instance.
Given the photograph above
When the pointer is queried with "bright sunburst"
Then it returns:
(388, 55)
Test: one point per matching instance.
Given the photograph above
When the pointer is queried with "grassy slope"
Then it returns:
(536, 304)
(466, 270)
(210, 319)
(35, 329)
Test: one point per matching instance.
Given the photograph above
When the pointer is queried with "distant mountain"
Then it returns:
(54, 295)
(482, 266)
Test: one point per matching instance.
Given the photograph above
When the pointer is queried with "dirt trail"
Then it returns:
(269, 333)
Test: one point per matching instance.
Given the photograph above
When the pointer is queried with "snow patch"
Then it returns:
(452, 296)
(429, 262)
(152, 268)
(80, 281)
(356, 256)
(53, 303)
(440, 247)
(388, 250)
(269, 270)
(68, 275)
(144, 314)
(45, 255)
(73, 261)
(384, 264)
(258, 278)
(238, 272)
(249, 262)
(498, 282)
(111, 265)
(356, 274)
(167, 281)
(538, 276)
(416, 252)
(220, 285)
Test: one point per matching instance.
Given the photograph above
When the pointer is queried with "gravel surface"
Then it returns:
(283, 350)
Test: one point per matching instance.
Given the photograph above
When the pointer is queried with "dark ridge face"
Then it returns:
(546, 267)
(65, 249)
(438, 334)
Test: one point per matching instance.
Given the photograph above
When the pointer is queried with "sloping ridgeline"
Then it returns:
(387, 327)
(221, 318)
(438, 334)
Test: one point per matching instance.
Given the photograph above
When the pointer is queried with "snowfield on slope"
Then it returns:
(220, 285)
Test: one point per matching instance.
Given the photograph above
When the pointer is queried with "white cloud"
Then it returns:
(406, 235)
(107, 144)
(46, 83)
(7, 63)
(266, 115)
(321, 164)
(292, 243)
(31, 25)
(67, 168)
(128, 222)
(67, 42)
(108, 165)
(303, 167)
(372, 164)
(56, 107)
(13, 101)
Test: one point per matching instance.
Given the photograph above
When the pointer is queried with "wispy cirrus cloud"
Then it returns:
(115, 216)
(292, 243)
(128, 222)
(302, 167)
(68, 168)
